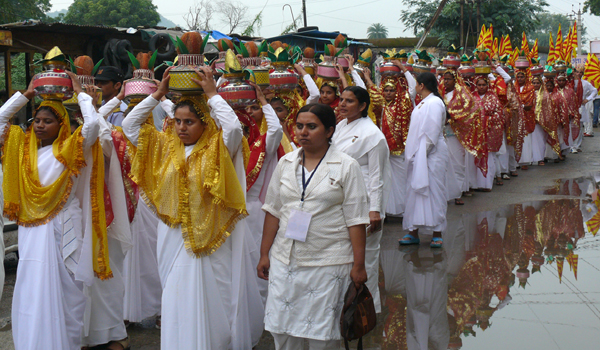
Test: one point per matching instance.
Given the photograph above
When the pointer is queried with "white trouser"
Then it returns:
(288, 342)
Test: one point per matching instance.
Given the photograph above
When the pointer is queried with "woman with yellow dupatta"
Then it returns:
(53, 187)
(193, 176)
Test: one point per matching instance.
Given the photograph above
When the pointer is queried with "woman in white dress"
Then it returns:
(47, 192)
(314, 236)
(426, 157)
(194, 178)
(357, 136)
(142, 287)
(264, 138)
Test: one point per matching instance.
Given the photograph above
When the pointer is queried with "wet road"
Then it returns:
(520, 268)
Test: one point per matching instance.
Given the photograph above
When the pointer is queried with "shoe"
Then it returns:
(505, 177)
(587, 135)
(573, 150)
(410, 241)
(436, 242)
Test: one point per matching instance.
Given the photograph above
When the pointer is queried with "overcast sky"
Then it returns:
(352, 17)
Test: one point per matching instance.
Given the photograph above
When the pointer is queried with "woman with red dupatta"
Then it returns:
(264, 134)
(563, 119)
(574, 96)
(526, 92)
(464, 132)
(492, 117)
(396, 109)
(547, 113)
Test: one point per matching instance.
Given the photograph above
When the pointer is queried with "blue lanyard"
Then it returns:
(304, 181)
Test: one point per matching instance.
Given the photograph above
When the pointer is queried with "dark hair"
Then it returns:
(190, 105)
(50, 110)
(430, 81)
(335, 89)
(325, 114)
(362, 96)
(278, 99)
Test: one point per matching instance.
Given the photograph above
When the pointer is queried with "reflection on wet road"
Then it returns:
(524, 276)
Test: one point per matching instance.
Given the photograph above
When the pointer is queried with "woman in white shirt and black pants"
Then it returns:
(314, 236)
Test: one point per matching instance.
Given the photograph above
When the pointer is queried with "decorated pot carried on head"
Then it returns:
(142, 84)
(536, 69)
(282, 77)
(249, 53)
(522, 62)
(326, 69)
(84, 66)
(340, 44)
(53, 83)
(483, 56)
(549, 72)
(236, 91)
(364, 61)
(308, 61)
(452, 60)
(222, 45)
(261, 71)
(466, 69)
(387, 68)
(560, 66)
(424, 63)
(190, 49)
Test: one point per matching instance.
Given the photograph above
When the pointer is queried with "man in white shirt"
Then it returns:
(589, 94)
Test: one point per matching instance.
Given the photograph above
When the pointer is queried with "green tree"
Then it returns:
(292, 26)
(508, 17)
(15, 11)
(118, 13)
(253, 28)
(377, 31)
(549, 24)
(593, 6)
(17, 71)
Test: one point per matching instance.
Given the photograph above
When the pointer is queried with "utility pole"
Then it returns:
(462, 22)
(304, 12)
(579, 27)
(579, 30)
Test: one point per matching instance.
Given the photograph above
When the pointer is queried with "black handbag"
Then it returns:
(358, 315)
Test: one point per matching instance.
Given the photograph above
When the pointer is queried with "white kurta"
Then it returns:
(426, 296)
(426, 157)
(255, 197)
(363, 141)
(103, 320)
(207, 302)
(143, 290)
(54, 261)
(395, 203)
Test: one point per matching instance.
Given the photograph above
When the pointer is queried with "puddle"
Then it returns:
(581, 187)
(527, 275)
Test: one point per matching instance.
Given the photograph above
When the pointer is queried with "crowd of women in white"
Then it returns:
(315, 224)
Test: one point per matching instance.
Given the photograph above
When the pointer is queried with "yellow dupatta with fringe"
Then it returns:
(202, 192)
(30, 204)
